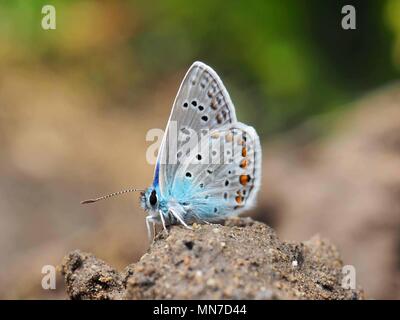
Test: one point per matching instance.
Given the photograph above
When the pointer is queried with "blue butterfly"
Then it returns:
(209, 164)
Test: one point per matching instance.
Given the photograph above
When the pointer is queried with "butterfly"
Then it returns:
(209, 165)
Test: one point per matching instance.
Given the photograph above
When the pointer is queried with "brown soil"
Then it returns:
(242, 259)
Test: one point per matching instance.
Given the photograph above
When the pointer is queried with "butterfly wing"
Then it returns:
(202, 102)
(226, 182)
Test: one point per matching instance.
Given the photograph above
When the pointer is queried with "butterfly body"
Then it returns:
(209, 164)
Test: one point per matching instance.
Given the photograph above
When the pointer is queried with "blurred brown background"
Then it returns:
(76, 103)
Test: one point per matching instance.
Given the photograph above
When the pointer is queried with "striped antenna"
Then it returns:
(110, 195)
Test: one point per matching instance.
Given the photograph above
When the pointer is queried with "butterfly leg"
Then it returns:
(163, 221)
(177, 216)
(148, 222)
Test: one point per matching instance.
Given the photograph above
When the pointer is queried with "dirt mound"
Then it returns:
(242, 259)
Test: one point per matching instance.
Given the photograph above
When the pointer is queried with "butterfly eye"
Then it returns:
(153, 198)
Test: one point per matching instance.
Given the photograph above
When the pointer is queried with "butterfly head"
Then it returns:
(149, 199)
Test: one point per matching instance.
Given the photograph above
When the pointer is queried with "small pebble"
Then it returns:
(211, 282)
(105, 279)
(140, 268)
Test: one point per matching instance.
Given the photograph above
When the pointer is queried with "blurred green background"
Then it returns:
(76, 103)
(282, 60)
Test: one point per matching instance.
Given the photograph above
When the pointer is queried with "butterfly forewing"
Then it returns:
(202, 104)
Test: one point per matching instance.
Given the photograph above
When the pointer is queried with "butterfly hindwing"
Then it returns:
(222, 176)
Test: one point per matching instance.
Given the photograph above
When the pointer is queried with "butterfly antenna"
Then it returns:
(110, 195)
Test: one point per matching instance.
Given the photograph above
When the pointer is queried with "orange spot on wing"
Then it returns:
(243, 163)
(238, 199)
(244, 179)
(244, 152)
